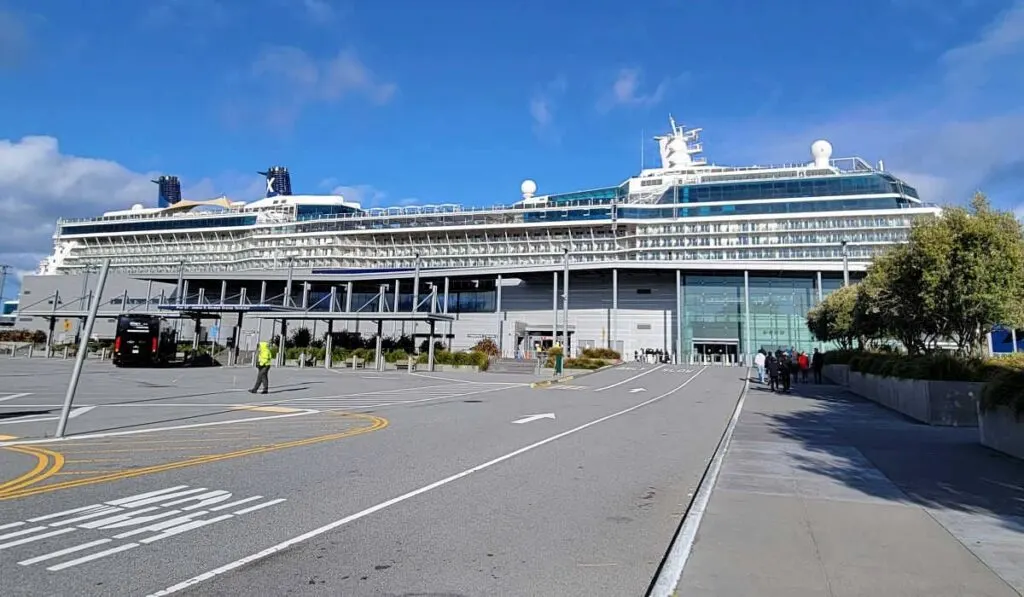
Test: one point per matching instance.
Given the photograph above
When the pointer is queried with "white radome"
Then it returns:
(821, 149)
(528, 187)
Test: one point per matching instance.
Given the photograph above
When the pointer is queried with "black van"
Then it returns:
(144, 340)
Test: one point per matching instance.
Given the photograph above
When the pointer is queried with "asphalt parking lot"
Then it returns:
(349, 482)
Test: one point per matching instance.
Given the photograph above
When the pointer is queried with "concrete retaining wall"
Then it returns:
(949, 403)
(1001, 430)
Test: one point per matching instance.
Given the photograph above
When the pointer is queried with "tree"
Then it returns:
(487, 346)
(982, 283)
(301, 338)
(833, 319)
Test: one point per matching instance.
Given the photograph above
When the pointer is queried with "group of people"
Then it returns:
(783, 367)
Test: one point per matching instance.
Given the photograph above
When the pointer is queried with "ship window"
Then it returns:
(643, 291)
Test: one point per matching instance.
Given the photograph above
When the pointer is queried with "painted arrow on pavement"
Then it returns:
(635, 390)
(534, 418)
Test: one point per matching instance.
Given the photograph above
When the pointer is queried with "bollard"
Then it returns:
(302, 360)
(409, 363)
(353, 363)
(31, 349)
(254, 359)
(65, 353)
(103, 354)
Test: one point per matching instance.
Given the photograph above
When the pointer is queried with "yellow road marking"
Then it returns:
(48, 463)
(4, 438)
(267, 409)
(164, 449)
(377, 423)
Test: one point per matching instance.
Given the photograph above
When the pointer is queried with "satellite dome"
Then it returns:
(821, 151)
(138, 207)
(528, 188)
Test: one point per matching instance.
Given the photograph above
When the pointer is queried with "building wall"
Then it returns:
(714, 310)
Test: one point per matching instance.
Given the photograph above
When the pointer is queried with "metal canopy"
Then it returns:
(352, 315)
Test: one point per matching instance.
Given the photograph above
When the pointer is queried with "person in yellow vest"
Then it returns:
(263, 359)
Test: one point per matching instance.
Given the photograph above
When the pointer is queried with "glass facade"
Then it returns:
(714, 310)
(157, 225)
(870, 184)
(313, 212)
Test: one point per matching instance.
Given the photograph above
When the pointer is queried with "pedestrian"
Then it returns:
(785, 373)
(263, 359)
(817, 363)
(759, 363)
(805, 363)
(772, 365)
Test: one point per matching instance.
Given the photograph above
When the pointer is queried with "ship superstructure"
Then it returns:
(684, 211)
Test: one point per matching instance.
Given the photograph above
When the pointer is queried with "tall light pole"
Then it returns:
(846, 262)
(288, 285)
(565, 303)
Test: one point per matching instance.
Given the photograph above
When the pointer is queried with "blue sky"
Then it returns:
(458, 101)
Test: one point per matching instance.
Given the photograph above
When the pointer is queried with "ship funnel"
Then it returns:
(169, 191)
(279, 182)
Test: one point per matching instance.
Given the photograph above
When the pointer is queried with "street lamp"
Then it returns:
(846, 262)
(565, 302)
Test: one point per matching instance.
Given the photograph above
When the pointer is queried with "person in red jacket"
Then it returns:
(804, 363)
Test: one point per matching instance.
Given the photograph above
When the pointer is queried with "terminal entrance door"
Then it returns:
(717, 352)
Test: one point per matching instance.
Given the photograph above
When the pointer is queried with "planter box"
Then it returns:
(837, 374)
(947, 403)
(1000, 430)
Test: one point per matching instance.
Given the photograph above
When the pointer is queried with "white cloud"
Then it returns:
(626, 91)
(13, 40)
(39, 184)
(284, 80)
(319, 11)
(365, 195)
(543, 106)
(949, 136)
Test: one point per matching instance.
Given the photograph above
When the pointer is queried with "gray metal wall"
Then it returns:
(645, 319)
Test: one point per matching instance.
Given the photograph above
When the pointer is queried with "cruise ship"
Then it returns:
(689, 258)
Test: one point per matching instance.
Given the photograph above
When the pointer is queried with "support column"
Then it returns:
(554, 309)
(679, 316)
(348, 297)
(263, 292)
(378, 362)
(398, 297)
(821, 293)
(149, 296)
(223, 291)
(305, 295)
(501, 334)
(746, 318)
(1013, 337)
(448, 338)
(614, 323)
(329, 345)
(430, 348)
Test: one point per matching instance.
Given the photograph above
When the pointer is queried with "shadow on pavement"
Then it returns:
(935, 467)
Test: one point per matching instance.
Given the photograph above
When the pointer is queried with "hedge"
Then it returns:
(1003, 376)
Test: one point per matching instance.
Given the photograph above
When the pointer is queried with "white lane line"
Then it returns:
(20, 533)
(153, 429)
(10, 525)
(236, 503)
(257, 507)
(63, 552)
(93, 556)
(682, 546)
(470, 381)
(629, 379)
(15, 396)
(353, 517)
(34, 538)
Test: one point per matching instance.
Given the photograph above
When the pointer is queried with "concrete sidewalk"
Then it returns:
(824, 493)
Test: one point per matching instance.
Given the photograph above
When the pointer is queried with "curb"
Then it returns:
(670, 571)
(549, 382)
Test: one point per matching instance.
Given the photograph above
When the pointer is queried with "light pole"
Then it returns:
(86, 303)
(181, 280)
(846, 262)
(565, 303)
(288, 285)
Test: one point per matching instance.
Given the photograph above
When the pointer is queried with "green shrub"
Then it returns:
(397, 356)
(583, 363)
(601, 353)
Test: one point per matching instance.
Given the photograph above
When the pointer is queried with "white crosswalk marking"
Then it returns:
(147, 517)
